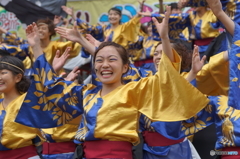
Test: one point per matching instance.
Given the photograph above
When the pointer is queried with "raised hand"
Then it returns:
(57, 19)
(215, 6)
(32, 35)
(92, 40)
(141, 3)
(73, 74)
(68, 10)
(59, 61)
(163, 27)
(70, 34)
(147, 13)
(163, 32)
(197, 63)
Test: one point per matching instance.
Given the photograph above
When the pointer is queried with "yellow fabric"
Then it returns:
(141, 54)
(161, 97)
(213, 79)
(53, 46)
(15, 135)
(206, 29)
(125, 32)
(122, 34)
(65, 132)
(50, 51)
(185, 33)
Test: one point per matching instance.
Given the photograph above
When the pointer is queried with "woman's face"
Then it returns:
(8, 81)
(109, 66)
(157, 56)
(114, 17)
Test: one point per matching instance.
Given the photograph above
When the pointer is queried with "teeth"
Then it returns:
(106, 72)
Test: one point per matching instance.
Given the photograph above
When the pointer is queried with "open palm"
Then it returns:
(32, 34)
(70, 34)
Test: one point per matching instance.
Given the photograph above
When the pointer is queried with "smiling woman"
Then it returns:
(111, 64)
(21, 142)
(115, 31)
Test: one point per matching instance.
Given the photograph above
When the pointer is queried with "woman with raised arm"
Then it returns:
(116, 32)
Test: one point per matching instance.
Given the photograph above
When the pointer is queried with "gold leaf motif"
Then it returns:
(59, 121)
(74, 112)
(192, 130)
(55, 117)
(49, 75)
(59, 113)
(238, 55)
(237, 42)
(37, 107)
(40, 101)
(200, 122)
(45, 107)
(27, 101)
(38, 94)
(235, 79)
(238, 66)
(209, 118)
(50, 106)
(56, 109)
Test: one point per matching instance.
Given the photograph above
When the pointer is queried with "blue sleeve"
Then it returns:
(97, 31)
(20, 51)
(177, 23)
(50, 101)
(234, 68)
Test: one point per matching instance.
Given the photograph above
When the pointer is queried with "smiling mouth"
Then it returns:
(106, 73)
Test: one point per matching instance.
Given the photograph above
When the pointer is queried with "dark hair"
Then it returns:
(23, 85)
(174, 6)
(119, 12)
(120, 49)
(184, 49)
(50, 24)
(4, 53)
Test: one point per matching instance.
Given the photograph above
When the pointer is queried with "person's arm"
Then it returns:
(50, 101)
(34, 40)
(163, 31)
(60, 60)
(75, 36)
(216, 8)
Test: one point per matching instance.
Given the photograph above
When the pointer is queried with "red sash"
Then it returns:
(202, 42)
(58, 147)
(19, 153)
(156, 139)
(107, 149)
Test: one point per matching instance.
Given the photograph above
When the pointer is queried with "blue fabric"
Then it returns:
(2, 116)
(227, 6)
(91, 119)
(177, 151)
(234, 61)
(47, 101)
(59, 156)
